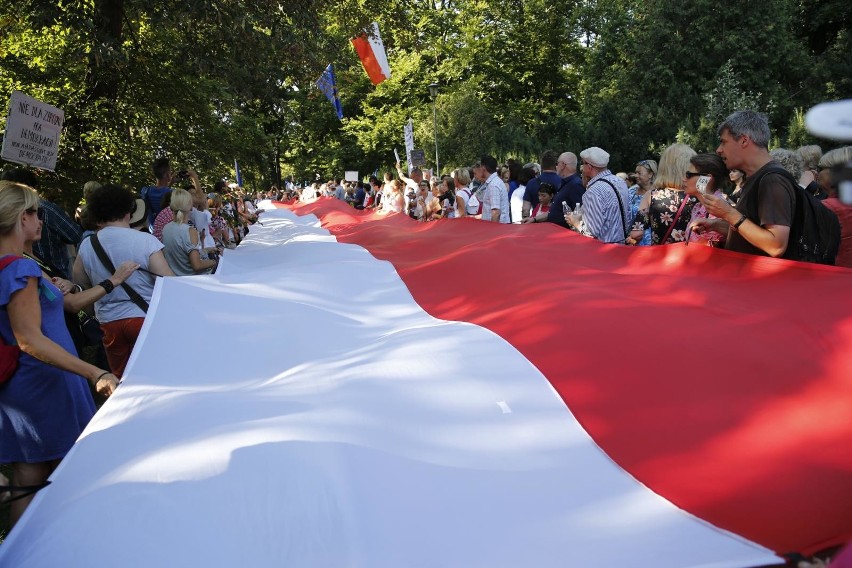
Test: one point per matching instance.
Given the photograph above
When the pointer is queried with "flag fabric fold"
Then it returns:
(719, 380)
(371, 50)
(332, 432)
(327, 83)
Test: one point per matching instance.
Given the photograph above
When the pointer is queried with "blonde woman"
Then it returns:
(182, 245)
(394, 201)
(666, 210)
(461, 178)
(47, 402)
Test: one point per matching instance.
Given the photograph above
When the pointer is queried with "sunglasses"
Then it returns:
(690, 175)
(38, 212)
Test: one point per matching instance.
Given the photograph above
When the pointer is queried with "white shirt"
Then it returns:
(495, 196)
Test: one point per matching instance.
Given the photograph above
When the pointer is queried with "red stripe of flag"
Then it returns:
(721, 381)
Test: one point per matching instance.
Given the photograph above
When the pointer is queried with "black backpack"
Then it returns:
(815, 232)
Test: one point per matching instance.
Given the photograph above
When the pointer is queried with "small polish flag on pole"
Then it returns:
(371, 50)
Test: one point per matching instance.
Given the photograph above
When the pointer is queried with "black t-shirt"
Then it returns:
(776, 204)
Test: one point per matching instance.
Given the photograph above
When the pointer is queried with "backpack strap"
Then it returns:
(104, 258)
(9, 259)
(751, 192)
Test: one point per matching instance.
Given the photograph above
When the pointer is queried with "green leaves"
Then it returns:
(208, 81)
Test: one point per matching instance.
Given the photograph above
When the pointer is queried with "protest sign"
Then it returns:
(32, 133)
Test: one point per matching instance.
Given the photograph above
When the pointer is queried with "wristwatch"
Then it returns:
(740, 221)
(107, 285)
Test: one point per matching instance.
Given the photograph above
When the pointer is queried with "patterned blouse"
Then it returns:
(710, 238)
(663, 210)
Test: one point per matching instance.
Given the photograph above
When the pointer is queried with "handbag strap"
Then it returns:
(620, 206)
(7, 260)
(104, 258)
(676, 217)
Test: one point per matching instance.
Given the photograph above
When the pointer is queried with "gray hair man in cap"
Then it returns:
(606, 203)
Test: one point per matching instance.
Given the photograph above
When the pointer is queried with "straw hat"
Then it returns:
(139, 217)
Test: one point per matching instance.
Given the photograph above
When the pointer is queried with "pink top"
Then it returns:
(164, 217)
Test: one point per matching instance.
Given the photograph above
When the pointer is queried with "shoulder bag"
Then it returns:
(104, 258)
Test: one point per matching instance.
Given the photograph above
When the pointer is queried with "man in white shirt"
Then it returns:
(495, 198)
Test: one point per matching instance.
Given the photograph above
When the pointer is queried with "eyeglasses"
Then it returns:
(38, 212)
(690, 175)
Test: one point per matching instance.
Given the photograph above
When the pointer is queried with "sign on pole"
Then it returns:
(408, 131)
(32, 133)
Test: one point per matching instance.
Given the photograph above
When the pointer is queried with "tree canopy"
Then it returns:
(210, 81)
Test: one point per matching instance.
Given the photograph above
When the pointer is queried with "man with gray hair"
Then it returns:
(570, 190)
(760, 223)
(606, 203)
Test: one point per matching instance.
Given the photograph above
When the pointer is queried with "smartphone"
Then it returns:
(702, 183)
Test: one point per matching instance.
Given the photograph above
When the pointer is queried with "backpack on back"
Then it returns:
(815, 231)
(474, 206)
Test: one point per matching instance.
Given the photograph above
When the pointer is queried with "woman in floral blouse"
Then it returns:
(218, 225)
(667, 209)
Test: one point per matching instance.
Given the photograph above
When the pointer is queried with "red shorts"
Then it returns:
(119, 339)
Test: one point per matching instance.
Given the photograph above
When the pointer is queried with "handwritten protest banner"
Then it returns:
(32, 133)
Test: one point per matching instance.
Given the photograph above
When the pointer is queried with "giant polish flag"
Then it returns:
(371, 50)
(357, 390)
(722, 382)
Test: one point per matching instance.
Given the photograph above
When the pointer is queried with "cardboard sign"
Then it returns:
(32, 133)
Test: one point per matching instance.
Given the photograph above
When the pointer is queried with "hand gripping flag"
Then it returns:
(371, 50)
(328, 85)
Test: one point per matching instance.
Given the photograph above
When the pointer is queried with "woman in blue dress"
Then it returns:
(47, 402)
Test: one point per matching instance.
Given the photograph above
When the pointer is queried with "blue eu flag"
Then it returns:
(328, 85)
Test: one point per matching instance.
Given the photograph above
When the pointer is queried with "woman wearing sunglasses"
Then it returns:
(666, 210)
(46, 403)
(707, 175)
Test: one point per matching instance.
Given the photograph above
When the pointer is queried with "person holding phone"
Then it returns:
(706, 175)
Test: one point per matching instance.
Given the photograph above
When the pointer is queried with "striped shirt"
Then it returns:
(602, 217)
(495, 196)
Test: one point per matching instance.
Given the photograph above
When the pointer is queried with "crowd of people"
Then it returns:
(73, 287)
(742, 197)
(55, 304)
